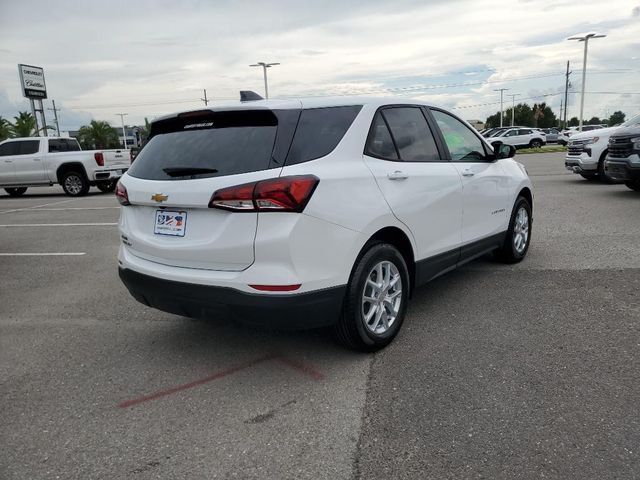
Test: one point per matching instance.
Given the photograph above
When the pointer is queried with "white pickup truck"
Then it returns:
(44, 161)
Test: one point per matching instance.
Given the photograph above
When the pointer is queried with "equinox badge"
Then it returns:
(158, 197)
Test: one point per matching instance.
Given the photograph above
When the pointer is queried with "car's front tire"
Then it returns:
(518, 237)
(15, 191)
(376, 299)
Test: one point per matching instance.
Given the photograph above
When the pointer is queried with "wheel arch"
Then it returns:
(70, 167)
(399, 239)
(528, 195)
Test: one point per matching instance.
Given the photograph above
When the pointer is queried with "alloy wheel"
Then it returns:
(381, 297)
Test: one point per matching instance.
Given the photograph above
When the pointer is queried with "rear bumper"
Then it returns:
(292, 311)
(109, 174)
(625, 170)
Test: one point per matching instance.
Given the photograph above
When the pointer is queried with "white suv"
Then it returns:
(521, 137)
(314, 212)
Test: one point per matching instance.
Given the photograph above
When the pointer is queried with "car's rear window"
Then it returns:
(319, 132)
(211, 144)
(208, 144)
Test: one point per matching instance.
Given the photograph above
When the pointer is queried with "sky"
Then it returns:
(149, 58)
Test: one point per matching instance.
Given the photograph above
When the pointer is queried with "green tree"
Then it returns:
(145, 131)
(616, 118)
(594, 121)
(543, 116)
(523, 117)
(574, 122)
(5, 129)
(24, 125)
(98, 135)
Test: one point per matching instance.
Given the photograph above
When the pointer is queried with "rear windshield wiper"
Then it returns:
(188, 171)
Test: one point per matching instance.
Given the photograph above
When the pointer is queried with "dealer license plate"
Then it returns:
(170, 222)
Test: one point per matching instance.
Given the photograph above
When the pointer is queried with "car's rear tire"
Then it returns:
(108, 186)
(518, 238)
(535, 143)
(75, 184)
(15, 191)
(633, 185)
(376, 299)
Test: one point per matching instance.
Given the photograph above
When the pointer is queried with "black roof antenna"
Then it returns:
(249, 96)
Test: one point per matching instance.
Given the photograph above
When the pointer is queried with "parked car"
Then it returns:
(44, 161)
(314, 212)
(588, 150)
(565, 135)
(520, 137)
(551, 134)
(623, 159)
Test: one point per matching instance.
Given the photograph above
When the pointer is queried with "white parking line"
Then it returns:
(76, 208)
(38, 206)
(52, 254)
(12, 225)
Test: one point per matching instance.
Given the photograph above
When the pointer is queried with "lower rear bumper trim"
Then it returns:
(291, 311)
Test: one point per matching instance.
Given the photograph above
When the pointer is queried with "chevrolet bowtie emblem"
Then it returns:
(158, 197)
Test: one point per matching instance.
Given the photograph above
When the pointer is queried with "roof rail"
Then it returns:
(249, 96)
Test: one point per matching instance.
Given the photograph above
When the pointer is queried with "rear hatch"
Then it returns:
(116, 158)
(188, 158)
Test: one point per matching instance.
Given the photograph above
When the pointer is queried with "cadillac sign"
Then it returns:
(32, 81)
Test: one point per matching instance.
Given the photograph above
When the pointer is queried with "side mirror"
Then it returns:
(502, 150)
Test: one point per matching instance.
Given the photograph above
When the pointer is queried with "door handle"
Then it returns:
(36, 159)
(397, 175)
(7, 161)
(467, 173)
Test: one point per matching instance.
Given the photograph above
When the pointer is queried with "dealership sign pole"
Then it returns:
(34, 88)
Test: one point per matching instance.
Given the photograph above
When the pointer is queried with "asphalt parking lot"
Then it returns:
(525, 371)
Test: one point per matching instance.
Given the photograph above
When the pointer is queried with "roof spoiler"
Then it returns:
(249, 96)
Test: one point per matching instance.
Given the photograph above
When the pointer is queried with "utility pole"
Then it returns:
(560, 113)
(264, 72)
(585, 39)
(206, 102)
(55, 115)
(566, 93)
(124, 132)
(513, 106)
(501, 90)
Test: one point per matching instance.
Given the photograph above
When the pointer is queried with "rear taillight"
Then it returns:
(122, 195)
(283, 194)
(99, 157)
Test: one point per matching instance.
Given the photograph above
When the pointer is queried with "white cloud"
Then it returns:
(149, 58)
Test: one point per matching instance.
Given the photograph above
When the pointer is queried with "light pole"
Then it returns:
(584, 38)
(513, 105)
(501, 90)
(124, 133)
(264, 71)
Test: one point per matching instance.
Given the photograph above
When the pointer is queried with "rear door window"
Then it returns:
(319, 131)
(72, 145)
(56, 145)
(380, 144)
(208, 144)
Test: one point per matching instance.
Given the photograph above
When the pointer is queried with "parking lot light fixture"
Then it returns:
(584, 38)
(264, 72)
